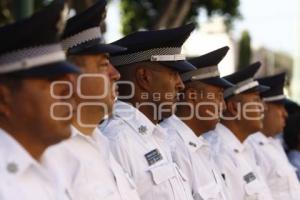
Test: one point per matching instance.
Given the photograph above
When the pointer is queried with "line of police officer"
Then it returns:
(167, 148)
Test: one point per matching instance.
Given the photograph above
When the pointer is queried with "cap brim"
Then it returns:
(259, 89)
(180, 66)
(217, 81)
(86, 49)
(281, 101)
(49, 70)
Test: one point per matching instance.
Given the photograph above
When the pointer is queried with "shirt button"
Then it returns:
(261, 143)
(236, 151)
(12, 168)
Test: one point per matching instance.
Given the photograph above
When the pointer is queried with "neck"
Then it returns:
(146, 109)
(90, 119)
(32, 145)
(267, 133)
(149, 113)
(237, 130)
(193, 123)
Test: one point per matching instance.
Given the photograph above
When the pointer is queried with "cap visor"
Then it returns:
(259, 89)
(85, 49)
(217, 81)
(281, 101)
(180, 66)
(49, 70)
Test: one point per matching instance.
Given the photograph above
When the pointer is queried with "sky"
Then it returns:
(271, 23)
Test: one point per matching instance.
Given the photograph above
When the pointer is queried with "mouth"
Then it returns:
(115, 91)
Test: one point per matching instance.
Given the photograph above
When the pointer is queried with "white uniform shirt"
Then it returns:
(140, 148)
(294, 158)
(279, 173)
(87, 169)
(236, 162)
(193, 156)
(22, 177)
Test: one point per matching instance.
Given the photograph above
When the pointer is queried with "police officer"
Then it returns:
(241, 118)
(197, 113)
(31, 60)
(84, 162)
(269, 153)
(150, 81)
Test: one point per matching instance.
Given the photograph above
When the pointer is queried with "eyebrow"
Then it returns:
(106, 55)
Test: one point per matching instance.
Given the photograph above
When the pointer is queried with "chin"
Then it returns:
(166, 115)
(59, 136)
(213, 126)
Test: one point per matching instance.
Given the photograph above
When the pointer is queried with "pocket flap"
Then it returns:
(211, 191)
(130, 181)
(162, 173)
(280, 172)
(254, 187)
(182, 174)
(90, 192)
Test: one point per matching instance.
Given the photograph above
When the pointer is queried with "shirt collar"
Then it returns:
(77, 133)
(16, 159)
(186, 133)
(229, 138)
(136, 119)
(260, 138)
(96, 138)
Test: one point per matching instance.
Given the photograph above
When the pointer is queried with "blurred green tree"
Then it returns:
(11, 10)
(157, 14)
(245, 52)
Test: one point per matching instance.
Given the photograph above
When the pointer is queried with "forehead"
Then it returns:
(250, 95)
(101, 56)
(204, 86)
(160, 67)
(275, 105)
(213, 88)
(97, 58)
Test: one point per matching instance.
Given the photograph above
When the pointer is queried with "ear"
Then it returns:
(266, 106)
(232, 107)
(144, 78)
(5, 101)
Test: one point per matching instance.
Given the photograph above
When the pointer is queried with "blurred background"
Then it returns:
(264, 30)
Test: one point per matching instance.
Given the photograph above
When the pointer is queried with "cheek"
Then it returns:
(168, 86)
(203, 109)
(163, 82)
(92, 86)
(35, 105)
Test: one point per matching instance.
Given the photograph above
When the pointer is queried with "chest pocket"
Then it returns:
(209, 192)
(182, 174)
(253, 190)
(162, 173)
(91, 192)
(279, 180)
(280, 172)
(130, 181)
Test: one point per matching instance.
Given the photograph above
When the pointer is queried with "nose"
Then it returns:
(284, 112)
(70, 78)
(222, 104)
(114, 73)
(179, 84)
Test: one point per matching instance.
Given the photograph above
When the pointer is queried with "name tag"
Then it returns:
(153, 157)
(249, 177)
